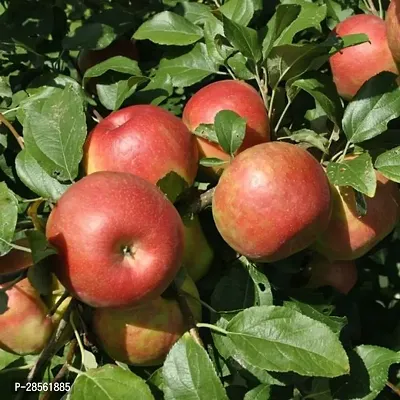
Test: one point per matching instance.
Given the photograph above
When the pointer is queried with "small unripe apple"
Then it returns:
(349, 235)
(231, 95)
(198, 254)
(144, 140)
(120, 47)
(393, 28)
(24, 327)
(144, 335)
(341, 275)
(16, 260)
(353, 66)
(119, 240)
(272, 201)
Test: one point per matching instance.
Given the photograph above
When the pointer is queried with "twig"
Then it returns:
(64, 369)
(188, 316)
(50, 349)
(261, 86)
(217, 4)
(278, 124)
(395, 389)
(19, 139)
(198, 204)
(203, 303)
(97, 115)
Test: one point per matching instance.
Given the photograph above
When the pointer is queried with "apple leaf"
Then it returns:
(275, 338)
(172, 185)
(238, 64)
(311, 139)
(9, 216)
(55, 139)
(374, 105)
(170, 29)
(5, 357)
(197, 13)
(239, 11)
(190, 68)
(36, 178)
(119, 64)
(189, 373)
(230, 129)
(260, 392)
(388, 164)
(212, 162)
(358, 173)
(368, 374)
(41, 278)
(109, 383)
(39, 245)
(243, 39)
(206, 131)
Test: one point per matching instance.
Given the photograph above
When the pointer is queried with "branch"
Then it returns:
(198, 204)
(394, 388)
(19, 139)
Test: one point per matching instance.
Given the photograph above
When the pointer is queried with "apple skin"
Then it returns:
(119, 240)
(232, 95)
(120, 47)
(144, 140)
(392, 21)
(16, 260)
(350, 236)
(144, 335)
(272, 201)
(341, 275)
(198, 254)
(24, 327)
(353, 66)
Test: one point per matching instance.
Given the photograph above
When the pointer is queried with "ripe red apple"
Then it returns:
(144, 140)
(119, 239)
(143, 335)
(120, 47)
(272, 201)
(341, 275)
(393, 28)
(24, 327)
(16, 260)
(232, 95)
(350, 236)
(198, 254)
(353, 66)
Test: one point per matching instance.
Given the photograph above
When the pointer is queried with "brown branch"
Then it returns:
(198, 204)
(19, 139)
(394, 388)
(64, 369)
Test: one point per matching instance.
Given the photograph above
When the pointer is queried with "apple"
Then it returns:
(143, 335)
(237, 96)
(341, 275)
(198, 254)
(121, 47)
(144, 140)
(350, 236)
(353, 66)
(16, 260)
(272, 201)
(24, 327)
(393, 29)
(119, 240)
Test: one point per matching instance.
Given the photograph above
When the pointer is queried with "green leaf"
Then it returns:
(170, 29)
(172, 185)
(260, 392)
(212, 162)
(239, 11)
(322, 88)
(39, 245)
(388, 164)
(243, 39)
(230, 129)
(7, 358)
(197, 13)
(276, 338)
(8, 219)
(374, 105)
(109, 383)
(349, 41)
(189, 68)
(36, 178)
(206, 131)
(358, 173)
(41, 278)
(189, 373)
(238, 64)
(53, 137)
(119, 64)
(93, 36)
(156, 91)
(311, 138)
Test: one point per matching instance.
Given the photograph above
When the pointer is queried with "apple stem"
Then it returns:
(19, 139)
(394, 388)
(198, 204)
(97, 115)
(78, 338)
(213, 328)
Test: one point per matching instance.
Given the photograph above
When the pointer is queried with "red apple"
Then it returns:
(231, 95)
(119, 240)
(24, 327)
(16, 260)
(144, 140)
(144, 335)
(272, 201)
(393, 28)
(350, 236)
(120, 47)
(341, 275)
(353, 66)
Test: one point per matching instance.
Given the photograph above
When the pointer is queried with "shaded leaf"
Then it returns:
(388, 164)
(230, 129)
(8, 217)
